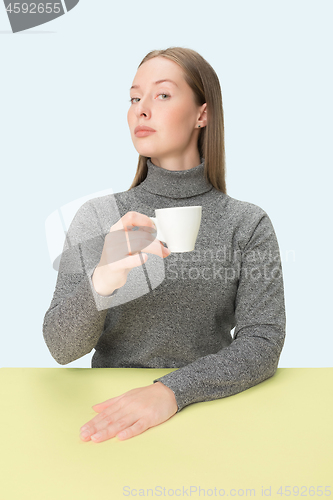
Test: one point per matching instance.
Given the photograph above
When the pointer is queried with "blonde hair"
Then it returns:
(204, 82)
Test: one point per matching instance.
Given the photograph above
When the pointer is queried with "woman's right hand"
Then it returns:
(121, 251)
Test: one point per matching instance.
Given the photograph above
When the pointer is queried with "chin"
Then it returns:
(143, 153)
(148, 152)
(145, 149)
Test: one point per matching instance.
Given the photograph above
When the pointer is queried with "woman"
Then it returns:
(232, 279)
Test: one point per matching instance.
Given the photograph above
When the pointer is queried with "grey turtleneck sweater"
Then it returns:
(176, 312)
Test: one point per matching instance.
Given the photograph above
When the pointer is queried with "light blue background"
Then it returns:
(64, 135)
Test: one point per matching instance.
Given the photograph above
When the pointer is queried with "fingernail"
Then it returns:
(96, 436)
(85, 434)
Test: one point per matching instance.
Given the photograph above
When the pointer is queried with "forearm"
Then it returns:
(73, 324)
(249, 360)
(106, 282)
(260, 319)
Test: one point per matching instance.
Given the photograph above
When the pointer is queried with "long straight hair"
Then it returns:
(204, 82)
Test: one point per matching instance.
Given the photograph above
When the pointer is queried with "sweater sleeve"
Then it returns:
(254, 353)
(75, 319)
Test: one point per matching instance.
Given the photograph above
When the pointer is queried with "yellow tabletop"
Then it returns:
(274, 440)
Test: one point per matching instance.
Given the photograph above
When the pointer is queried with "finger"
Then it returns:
(146, 229)
(92, 426)
(101, 422)
(101, 419)
(122, 240)
(119, 245)
(106, 403)
(137, 428)
(134, 219)
(113, 429)
(137, 259)
(140, 239)
(133, 261)
(117, 259)
(148, 243)
(100, 407)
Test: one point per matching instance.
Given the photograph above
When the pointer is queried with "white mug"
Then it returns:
(178, 227)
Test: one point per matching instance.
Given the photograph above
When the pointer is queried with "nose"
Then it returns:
(142, 108)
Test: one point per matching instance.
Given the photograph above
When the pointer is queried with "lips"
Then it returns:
(142, 128)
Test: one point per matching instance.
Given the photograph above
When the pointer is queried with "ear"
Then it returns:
(202, 120)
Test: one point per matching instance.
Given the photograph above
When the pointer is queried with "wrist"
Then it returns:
(168, 391)
(105, 282)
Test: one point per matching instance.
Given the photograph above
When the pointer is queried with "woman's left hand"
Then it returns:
(131, 413)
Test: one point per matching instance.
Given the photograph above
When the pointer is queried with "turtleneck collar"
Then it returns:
(176, 183)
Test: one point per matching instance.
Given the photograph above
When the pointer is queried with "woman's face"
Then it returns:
(168, 108)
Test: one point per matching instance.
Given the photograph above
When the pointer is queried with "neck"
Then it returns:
(176, 183)
(176, 163)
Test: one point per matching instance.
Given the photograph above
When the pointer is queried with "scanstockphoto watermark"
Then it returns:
(162, 491)
(197, 491)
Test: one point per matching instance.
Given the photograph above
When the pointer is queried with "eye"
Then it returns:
(133, 98)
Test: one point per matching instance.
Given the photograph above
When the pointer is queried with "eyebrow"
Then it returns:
(155, 83)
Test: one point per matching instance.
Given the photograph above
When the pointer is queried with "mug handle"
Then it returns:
(159, 234)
